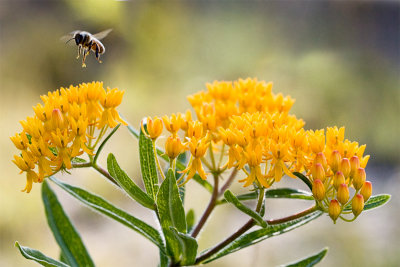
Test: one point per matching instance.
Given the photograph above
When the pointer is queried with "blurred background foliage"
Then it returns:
(339, 60)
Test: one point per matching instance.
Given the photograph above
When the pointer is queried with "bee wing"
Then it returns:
(102, 34)
(68, 37)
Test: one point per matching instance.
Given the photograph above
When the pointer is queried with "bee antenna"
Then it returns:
(69, 40)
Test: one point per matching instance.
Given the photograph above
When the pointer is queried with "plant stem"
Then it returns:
(228, 182)
(245, 228)
(105, 174)
(209, 209)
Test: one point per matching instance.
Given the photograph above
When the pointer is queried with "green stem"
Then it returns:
(209, 209)
(105, 174)
(104, 142)
(157, 161)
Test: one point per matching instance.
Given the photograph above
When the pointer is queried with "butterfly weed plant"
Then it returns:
(235, 129)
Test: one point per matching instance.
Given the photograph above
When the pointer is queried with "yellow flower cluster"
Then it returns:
(70, 121)
(251, 126)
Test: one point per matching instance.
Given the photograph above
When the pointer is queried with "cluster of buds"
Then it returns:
(71, 121)
(332, 179)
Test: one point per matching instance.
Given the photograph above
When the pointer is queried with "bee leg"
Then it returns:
(98, 56)
(84, 54)
(79, 51)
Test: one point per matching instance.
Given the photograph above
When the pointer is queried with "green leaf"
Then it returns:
(179, 165)
(264, 233)
(63, 230)
(373, 202)
(104, 142)
(148, 165)
(309, 261)
(171, 213)
(164, 260)
(127, 184)
(231, 198)
(288, 193)
(188, 246)
(242, 197)
(78, 160)
(190, 220)
(99, 204)
(304, 179)
(39, 257)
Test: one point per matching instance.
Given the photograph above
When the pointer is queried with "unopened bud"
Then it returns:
(154, 127)
(334, 210)
(359, 178)
(354, 164)
(343, 194)
(320, 158)
(318, 190)
(335, 161)
(173, 147)
(338, 179)
(366, 190)
(357, 205)
(318, 172)
(57, 119)
(345, 167)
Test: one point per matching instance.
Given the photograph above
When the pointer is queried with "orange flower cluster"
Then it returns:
(245, 122)
(71, 121)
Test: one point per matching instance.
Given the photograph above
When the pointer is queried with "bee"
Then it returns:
(86, 42)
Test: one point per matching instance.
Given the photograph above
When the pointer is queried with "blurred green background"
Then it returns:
(339, 60)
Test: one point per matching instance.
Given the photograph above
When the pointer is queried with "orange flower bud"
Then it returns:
(338, 179)
(57, 119)
(366, 190)
(357, 205)
(318, 190)
(359, 178)
(318, 172)
(345, 167)
(320, 158)
(174, 147)
(334, 210)
(354, 164)
(343, 194)
(154, 127)
(335, 161)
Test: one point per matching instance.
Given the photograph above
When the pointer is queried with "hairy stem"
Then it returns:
(209, 209)
(228, 182)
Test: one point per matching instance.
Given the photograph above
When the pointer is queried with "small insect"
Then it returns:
(86, 42)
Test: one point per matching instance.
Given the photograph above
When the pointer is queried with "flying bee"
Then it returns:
(86, 42)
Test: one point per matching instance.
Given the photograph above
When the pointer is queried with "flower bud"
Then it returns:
(173, 147)
(318, 172)
(335, 161)
(366, 190)
(359, 178)
(320, 158)
(357, 205)
(338, 179)
(318, 190)
(343, 194)
(154, 127)
(354, 164)
(57, 119)
(345, 167)
(334, 210)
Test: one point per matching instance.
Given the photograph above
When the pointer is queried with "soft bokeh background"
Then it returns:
(340, 60)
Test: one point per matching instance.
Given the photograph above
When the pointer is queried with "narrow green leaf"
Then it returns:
(99, 204)
(179, 165)
(148, 165)
(190, 220)
(127, 184)
(39, 257)
(188, 246)
(242, 197)
(304, 179)
(288, 193)
(373, 202)
(62, 258)
(264, 233)
(104, 143)
(63, 230)
(171, 213)
(78, 160)
(164, 260)
(231, 198)
(309, 261)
